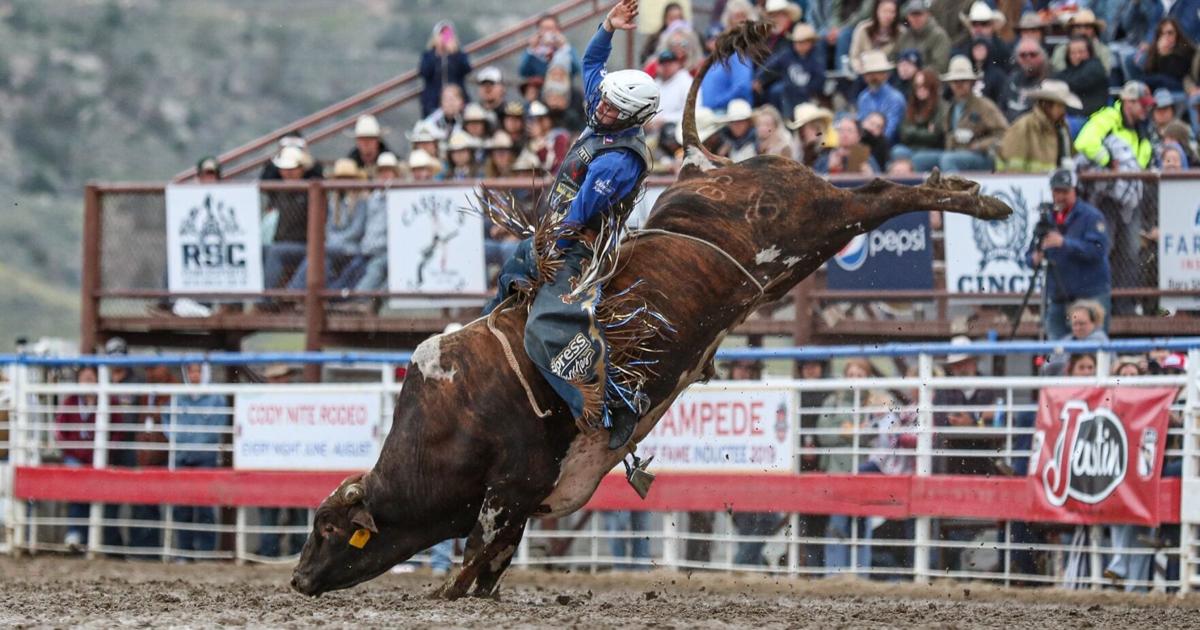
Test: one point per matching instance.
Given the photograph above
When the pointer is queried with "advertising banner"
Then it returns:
(989, 256)
(434, 245)
(306, 431)
(725, 430)
(895, 255)
(1097, 454)
(213, 242)
(1179, 241)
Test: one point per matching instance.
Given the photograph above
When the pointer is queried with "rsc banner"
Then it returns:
(895, 255)
(435, 245)
(306, 431)
(1097, 454)
(213, 242)
(725, 430)
(1179, 241)
(989, 256)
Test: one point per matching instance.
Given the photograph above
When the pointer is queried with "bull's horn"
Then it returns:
(354, 493)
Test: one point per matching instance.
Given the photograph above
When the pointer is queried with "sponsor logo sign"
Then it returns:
(1096, 456)
(434, 245)
(989, 256)
(1179, 241)
(896, 255)
(306, 431)
(725, 429)
(213, 242)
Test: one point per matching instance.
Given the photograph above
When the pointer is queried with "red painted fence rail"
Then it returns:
(998, 498)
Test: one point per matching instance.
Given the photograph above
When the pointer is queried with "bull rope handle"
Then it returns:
(512, 359)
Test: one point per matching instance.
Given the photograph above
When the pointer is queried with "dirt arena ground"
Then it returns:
(59, 592)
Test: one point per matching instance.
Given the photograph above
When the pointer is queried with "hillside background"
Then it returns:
(137, 90)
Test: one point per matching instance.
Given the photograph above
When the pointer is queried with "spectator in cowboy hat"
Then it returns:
(1084, 24)
(501, 154)
(1032, 68)
(1032, 26)
(880, 33)
(1040, 141)
(737, 140)
(548, 143)
(285, 224)
(512, 122)
(783, 15)
(311, 168)
(368, 143)
(443, 63)
(810, 123)
(879, 96)
(951, 402)
(422, 166)
(707, 125)
(925, 35)
(489, 83)
(426, 137)
(476, 121)
(345, 225)
(208, 170)
(794, 74)
(983, 22)
(1085, 75)
(460, 157)
(974, 126)
(1166, 127)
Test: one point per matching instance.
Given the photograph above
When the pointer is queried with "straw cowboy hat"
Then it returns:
(387, 159)
(805, 113)
(707, 123)
(420, 158)
(1086, 17)
(875, 61)
(1057, 91)
(960, 69)
(1031, 21)
(288, 158)
(461, 140)
(499, 140)
(424, 132)
(803, 32)
(347, 168)
(474, 112)
(775, 6)
(526, 161)
(981, 12)
(959, 357)
(367, 126)
(737, 110)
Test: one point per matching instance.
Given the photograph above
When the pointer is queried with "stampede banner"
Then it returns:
(1098, 452)
(989, 256)
(213, 242)
(435, 245)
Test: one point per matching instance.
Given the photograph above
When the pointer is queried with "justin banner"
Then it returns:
(434, 246)
(725, 430)
(1097, 454)
(989, 256)
(1179, 241)
(213, 242)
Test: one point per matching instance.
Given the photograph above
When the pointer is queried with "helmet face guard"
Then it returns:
(632, 94)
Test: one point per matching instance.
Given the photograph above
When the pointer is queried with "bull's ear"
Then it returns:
(361, 518)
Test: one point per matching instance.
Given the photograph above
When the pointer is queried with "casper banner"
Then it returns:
(1097, 454)
(213, 242)
(725, 430)
(989, 256)
(306, 431)
(1179, 241)
(434, 244)
(895, 255)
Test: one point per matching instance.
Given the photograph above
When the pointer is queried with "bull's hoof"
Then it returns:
(481, 593)
(448, 592)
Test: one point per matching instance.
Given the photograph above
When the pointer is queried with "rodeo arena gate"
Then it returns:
(1082, 459)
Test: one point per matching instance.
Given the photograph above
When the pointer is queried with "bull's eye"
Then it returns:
(329, 530)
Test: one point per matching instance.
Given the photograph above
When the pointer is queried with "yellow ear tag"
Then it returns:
(360, 538)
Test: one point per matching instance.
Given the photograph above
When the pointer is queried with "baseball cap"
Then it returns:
(1062, 178)
(911, 55)
(1176, 361)
(1133, 90)
(916, 6)
(667, 55)
(1163, 98)
(489, 74)
(116, 346)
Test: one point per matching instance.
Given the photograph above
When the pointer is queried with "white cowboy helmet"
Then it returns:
(634, 95)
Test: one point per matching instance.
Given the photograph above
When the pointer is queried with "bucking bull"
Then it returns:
(480, 443)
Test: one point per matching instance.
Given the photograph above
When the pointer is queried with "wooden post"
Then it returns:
(89, 311)
(314, 307)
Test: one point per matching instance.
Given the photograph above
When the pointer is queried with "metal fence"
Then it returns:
(41, 408)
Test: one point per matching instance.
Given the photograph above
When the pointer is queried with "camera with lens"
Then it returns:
(1045, 223)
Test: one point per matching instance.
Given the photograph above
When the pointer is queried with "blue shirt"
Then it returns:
(612, 175)
(888, 101)
(722, 84)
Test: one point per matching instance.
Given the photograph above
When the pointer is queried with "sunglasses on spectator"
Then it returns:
(1028, 54)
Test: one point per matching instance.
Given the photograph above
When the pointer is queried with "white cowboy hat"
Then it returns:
(420, 158)
(981, 12)
(499, 140)
(1057, 91)
(1031, 21)
(1086, 17)
(736, 110)
(474, 112)
(367, 126)
(874, 61)
(461, 140)
(793, 10)
(803, 32)
(537, 108)
(288, 158)
(805, 113)
(958, 357)
(707, 123)
(387, 159)
(960, 69)
(345, 167)
(526, 161)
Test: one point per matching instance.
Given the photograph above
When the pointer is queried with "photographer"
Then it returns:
(1072, 238)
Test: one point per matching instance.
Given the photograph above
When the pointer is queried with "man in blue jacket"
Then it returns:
(1076, 251)
(795, 74)
(596, 186)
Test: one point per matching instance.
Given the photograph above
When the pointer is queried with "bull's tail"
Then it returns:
(750, 39)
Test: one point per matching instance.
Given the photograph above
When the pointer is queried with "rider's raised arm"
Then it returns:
(594, 59)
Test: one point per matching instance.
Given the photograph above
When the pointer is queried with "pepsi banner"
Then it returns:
(1097, 454)
(895, 255)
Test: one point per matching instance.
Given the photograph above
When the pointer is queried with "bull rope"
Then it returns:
(512, 359)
